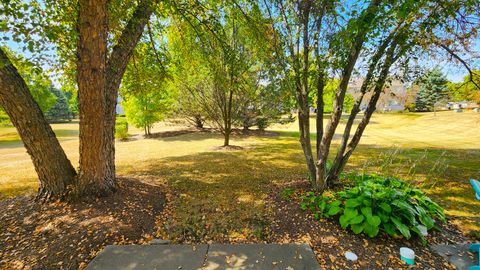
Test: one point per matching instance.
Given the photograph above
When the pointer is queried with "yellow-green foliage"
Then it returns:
(121, 128)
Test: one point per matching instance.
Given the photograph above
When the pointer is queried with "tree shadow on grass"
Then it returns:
(221, 196)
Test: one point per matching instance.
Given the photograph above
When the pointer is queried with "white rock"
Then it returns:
(351, 256)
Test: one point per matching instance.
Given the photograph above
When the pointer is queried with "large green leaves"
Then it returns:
(378, 204)
(404, 230)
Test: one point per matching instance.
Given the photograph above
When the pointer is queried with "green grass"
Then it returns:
(222, 194)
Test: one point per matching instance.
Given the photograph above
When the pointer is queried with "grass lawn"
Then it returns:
(218, 194)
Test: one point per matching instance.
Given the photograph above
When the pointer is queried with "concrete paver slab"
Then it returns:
(457, 255)
(261, 256)
(140, 257)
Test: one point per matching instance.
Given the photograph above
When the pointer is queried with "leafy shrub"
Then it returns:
(121, 129)
(378, 203)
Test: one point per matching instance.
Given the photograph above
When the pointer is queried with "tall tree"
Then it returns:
(225, 52)
(433, 88)
(147, 98)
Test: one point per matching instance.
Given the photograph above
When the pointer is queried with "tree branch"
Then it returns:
(464, 63)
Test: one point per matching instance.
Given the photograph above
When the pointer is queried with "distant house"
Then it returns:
(461, 105)
(392, 99)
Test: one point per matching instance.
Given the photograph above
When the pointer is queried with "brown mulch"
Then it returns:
(174, 133)
(236, 132)
(330, 242)
(228, 148)
(67, 236)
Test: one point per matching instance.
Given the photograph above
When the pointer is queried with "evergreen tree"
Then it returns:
(433, 88)
(60, 111)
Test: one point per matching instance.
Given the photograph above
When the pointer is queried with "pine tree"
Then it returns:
(60, 111)
(433, 88)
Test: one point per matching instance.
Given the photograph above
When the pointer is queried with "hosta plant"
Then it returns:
(377, 204)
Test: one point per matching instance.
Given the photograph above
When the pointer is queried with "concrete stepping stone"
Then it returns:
(151, 257)
(261, 256)
(458, 255)
(207, 257)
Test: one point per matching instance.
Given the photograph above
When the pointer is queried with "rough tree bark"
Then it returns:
(55, 172)
(95, 176)
(97, 167)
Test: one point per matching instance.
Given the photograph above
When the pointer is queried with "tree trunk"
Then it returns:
(55, 172)
(336, 165)
(95, 176)
(379, 85)
(337, 110)
(228, 116)
(198, 121)
(116, 66)
(301, 82)
(226, 138)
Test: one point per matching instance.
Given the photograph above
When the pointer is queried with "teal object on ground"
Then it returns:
(475, 247)
(476, 187)
(407, 255)
(408, 261)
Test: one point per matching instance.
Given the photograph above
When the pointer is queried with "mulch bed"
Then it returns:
(67, 236)
(330, 242)
(236, 132)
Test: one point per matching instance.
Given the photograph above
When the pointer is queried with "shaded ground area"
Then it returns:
(61, 236)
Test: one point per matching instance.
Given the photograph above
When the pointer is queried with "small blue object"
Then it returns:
(476, 187)
(412, 261)
(475, 247)
(407, 255)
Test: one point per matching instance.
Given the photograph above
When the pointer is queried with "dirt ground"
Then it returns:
(68, 236)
